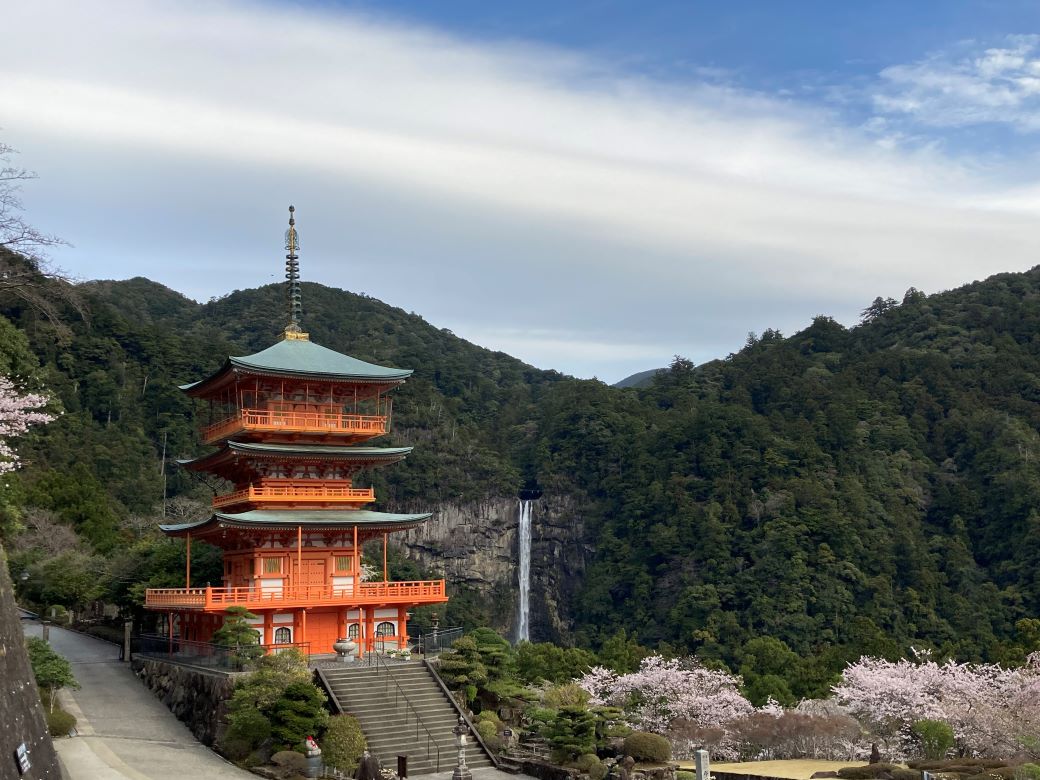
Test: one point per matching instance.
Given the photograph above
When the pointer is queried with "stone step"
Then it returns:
(390, 728)
(353, 703)
(432, 723)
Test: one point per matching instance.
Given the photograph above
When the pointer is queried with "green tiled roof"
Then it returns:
(304, 451)
(290, 518)
(299, 357)
(293, 356)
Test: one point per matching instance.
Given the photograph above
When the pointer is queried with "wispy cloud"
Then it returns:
(497, 189)
(968, 86)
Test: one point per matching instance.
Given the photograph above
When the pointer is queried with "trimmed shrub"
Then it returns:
(343, 743)
(867, 772)
(644, 746)
(299, 712)
(935, 737)
(487, 730)
(489, 716)
(585, 761)
(684, 775)
(1027, 772)
(60, 723)
(598, 771)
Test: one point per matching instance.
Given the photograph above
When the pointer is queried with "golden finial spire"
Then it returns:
(292, 276)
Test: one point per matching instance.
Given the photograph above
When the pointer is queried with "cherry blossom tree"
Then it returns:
(18, 412)
(992, 710)
(677, 697)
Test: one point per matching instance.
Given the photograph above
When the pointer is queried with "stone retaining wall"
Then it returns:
(22, 720)
(198, 697)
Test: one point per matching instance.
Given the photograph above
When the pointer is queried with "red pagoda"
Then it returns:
(291, 426)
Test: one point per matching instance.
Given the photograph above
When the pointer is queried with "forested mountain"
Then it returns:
(843, 491)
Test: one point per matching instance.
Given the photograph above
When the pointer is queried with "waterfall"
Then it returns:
(524, 545)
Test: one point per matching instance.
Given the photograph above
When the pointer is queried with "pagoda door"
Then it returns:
(313, 575)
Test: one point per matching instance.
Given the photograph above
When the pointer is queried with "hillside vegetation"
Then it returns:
(805, 501)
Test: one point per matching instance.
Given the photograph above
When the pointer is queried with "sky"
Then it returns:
(591, 186)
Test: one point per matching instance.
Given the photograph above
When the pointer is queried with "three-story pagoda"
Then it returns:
(291, 426)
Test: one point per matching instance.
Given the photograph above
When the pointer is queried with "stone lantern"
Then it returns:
(461, 732)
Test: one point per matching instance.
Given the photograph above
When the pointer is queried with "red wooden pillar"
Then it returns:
(402, 627)
(370, 628)
(303, 625)
(268, 637)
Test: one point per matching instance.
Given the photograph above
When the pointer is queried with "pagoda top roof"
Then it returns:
(321, 452)
(300, 357)
(286, 519)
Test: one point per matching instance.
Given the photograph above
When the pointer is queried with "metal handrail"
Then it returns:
(462, 713)
(399, 692)
(441, 639)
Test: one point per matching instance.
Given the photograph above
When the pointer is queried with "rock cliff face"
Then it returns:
(475, 545)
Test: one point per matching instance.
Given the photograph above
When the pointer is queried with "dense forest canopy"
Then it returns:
(782, 511)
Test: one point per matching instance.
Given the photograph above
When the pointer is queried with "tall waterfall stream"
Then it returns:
(524, 543)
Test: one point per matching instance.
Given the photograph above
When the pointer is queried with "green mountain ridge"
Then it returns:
(844, 491)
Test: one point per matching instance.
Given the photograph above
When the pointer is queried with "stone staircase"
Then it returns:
(387, 710)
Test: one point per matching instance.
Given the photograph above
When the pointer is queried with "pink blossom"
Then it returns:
(993, 711)
(17, 414)
(665, 693)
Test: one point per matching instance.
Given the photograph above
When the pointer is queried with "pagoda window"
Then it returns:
(272, 565)
(282, 635)
(344, 563)
(353, 631)
(386, 628)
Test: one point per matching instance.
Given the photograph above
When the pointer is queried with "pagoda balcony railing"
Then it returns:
(277, 421)
(298, 490)
(366, 593)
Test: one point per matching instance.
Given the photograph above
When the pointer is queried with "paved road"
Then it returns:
(124, 731)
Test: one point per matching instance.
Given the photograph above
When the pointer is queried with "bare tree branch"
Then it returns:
(25, 270)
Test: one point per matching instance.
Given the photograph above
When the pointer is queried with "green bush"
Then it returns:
(683, 775)
(935, 737)
(566, 695)
(585, 761)
(490, 716)
(343, 743)
(598, 771)
(247, 730)
(274, 707)
(644, 746)
(1027, 772)
(60, 723)
(487, 730)
(297, 714)
(570, 732)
